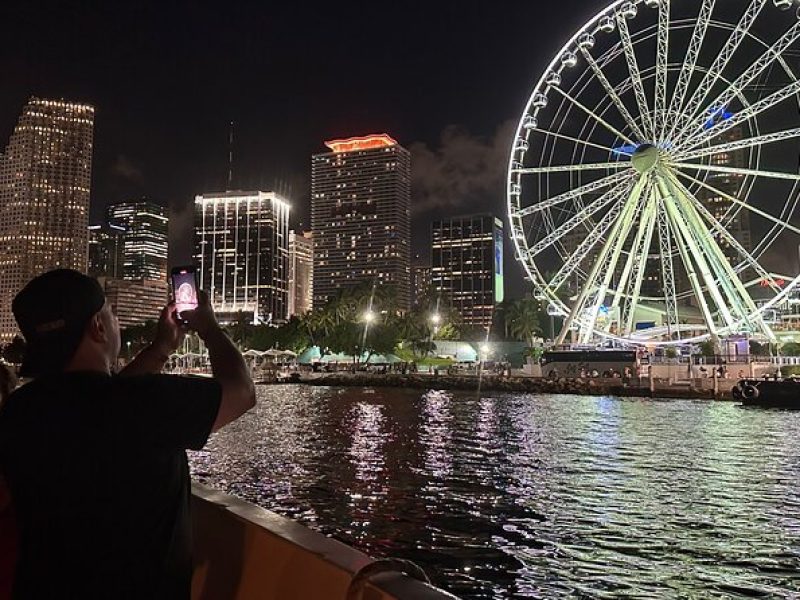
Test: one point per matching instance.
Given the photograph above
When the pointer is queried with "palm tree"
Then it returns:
(523, 318)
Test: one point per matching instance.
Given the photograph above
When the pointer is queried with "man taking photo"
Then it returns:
(96, 461)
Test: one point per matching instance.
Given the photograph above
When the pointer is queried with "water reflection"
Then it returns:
(502, 496)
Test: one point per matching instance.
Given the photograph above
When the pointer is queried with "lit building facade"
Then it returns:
(135, 302)
(301, 272)
(242, 254)
(105, 251)
(467, 265)
(420, 279)
(145, 243)
(361, 217)
(45, 178)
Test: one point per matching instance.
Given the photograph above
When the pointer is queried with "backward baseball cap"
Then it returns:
(52, 312)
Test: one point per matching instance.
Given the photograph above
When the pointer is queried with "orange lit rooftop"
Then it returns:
(366, 142)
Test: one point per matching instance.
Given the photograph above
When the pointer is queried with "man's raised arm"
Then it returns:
(227, 364)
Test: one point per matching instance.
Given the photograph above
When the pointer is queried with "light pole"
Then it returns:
(128, 343)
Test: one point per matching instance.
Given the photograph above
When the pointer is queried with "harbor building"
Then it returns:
(301, 272)
(361, 217)
(45, 179)
(467, 265)
(241, 249)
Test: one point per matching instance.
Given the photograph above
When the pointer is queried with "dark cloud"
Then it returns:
(464, 173)
(125, 168)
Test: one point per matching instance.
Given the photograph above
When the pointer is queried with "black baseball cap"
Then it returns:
(52, 312)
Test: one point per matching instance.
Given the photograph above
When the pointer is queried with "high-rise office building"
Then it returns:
(135, 302)
(45, 176)
(467, 265)
(144, 250)
(420, 279)
(360, 216)
(105, 251)
(301, 272)
(242, 253)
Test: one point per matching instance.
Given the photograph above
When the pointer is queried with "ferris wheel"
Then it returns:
(653, 178)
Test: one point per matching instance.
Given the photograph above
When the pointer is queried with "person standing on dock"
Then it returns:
(96, 461)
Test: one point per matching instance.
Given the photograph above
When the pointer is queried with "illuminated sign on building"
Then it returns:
(366, 142)
(499, 290)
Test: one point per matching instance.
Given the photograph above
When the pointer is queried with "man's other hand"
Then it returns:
(170, 332)
(202, 319)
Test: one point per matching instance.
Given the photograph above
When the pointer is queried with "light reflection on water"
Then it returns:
(504, 495)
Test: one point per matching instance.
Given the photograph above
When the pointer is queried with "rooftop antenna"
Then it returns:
(230, 157)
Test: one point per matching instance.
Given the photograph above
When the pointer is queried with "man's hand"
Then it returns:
(202, 319)
(169, 332)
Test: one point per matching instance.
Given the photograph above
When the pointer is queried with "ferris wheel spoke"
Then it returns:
(736, 87)
(734, 200)
(574, 168)
(633, 272)
(685, 246)
(738, 171)
(599, 184)
(582, 251)
(715, 267)
(758, 140)
(667, 272)
(662, 55)
(640, 266)
(578, 141)
(688, 66)
(723, 232)
(738, 297)
(746, 113)
(596, 117)
(614, 97)
(633, 69)
(578, 218)
(722, 60)
(621, 220)
(609, 265)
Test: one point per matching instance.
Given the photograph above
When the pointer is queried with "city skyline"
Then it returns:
(161, 138)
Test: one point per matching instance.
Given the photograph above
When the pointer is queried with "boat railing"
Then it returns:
(244, 552)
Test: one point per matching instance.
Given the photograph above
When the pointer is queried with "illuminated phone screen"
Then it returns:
(185, 289)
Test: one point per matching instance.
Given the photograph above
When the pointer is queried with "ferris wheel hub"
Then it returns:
(645, 157)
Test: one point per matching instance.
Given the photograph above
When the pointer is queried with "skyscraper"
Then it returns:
(144, 249)
(467, 265)
(360, 216)
(45, 176)
(242, 253)
(105, 251)
(301, 272)
(420, 279)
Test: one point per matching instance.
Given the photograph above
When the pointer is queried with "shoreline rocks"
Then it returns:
(493, 383)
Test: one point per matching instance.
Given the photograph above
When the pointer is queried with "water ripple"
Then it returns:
(521, 496)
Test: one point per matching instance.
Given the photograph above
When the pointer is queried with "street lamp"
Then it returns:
(436, 319)
(128, 343)
(369, 317)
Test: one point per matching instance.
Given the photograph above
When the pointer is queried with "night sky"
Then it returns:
(447, 79)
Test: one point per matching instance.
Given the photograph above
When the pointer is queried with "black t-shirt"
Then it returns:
(98, 473)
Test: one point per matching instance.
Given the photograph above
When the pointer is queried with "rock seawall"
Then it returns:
(590, 387)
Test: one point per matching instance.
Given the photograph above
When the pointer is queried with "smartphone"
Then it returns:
(184, 288)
